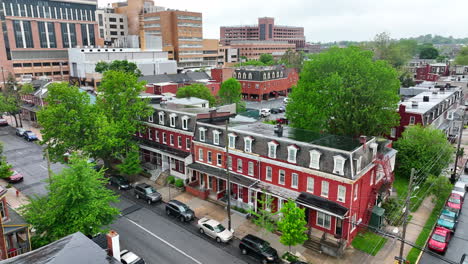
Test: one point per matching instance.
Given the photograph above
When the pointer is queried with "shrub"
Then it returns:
(289, 257)
(239, 209)
(9, 186)
(170, 179)
(179, 183)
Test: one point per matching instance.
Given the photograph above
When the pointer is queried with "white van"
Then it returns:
(264, 112)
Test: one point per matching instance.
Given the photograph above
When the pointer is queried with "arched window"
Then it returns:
(244, 76)
(277, 75)
(273, 75)
(250, 76)
(281, 74)
(268, 75)
(234, 75)
(239, 75)
(264, 76)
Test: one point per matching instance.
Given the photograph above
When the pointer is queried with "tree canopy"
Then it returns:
(231, 92)
(293, 59)
(427, 51)
(77, 201)
(397, 54)
(196, 90)
(250, 63)
(5, 168)
(345, 92)
(462, 57)
(267, 59)
(425, 149)
(118, 65)
(292, 225)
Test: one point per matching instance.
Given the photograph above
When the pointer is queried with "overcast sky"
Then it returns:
(334, 20)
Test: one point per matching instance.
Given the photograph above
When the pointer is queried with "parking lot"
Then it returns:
(268, 104)
(457, 246)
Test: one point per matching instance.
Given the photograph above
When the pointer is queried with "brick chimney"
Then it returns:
(113, 244)
(402, 108)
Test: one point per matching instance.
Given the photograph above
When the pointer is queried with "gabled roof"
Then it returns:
(73, 249)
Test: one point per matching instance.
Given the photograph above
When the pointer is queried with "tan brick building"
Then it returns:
(253, 49)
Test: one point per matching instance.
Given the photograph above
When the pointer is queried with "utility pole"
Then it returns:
(226, 143)
(405, 218)
(453, 177)
(49, 172)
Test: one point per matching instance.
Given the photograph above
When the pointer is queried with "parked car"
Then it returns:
(259, 249)
(128, 257)
(463, 178)
(264, 112)
(148, 193)
(282, 120)
(275, 111)
(15, 177)
(464, 259)
(3, 122)
(282, 109)
(456, 211)
(120, 181)
(286, 100)
(20, 131)
(439, 239)
(215, 230)
(180, 211)
(455, 201)
(448, 220)
(29, 135)
(460, 188)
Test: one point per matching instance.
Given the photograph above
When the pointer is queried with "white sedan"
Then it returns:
(215, 230)
(460, 188)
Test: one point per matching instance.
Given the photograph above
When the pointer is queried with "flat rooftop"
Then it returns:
(423, 107)
(301, 135)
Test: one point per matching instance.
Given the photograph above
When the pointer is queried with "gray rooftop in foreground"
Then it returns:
(73, 249)
(423, 107)
(301, 135)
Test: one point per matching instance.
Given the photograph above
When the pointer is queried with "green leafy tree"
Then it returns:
(118, 65)
(293, 59)
(77, 201)
(263, 217)
(5, 168)
(420, 146)
(345, 92)
(442, 58)
(387, 49)
(68, 120)
(439, 185)
(9, 104)
(230, 93)
(196, 90)
(131, 164)
(27, 88)
(428, 52)
(406, 79)
(267, 59)
(409, 46)
(292, 225)
(251, 63)
(11, 83)
(462, 57)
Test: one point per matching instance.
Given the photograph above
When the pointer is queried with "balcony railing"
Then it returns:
(13, 252)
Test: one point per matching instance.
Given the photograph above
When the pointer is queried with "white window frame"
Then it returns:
(341, 195)
(232, 140)
(185, 122)
(336, 168)
(356, 190)
(164, 138)
(268, 173)
(209, 157)
(324, 217)
(239, 162)
(292, 158)
(294, 177)
(358, 164)
(374, 147)
(327, 185)
(315, 159)
(310, 185)
(150, 134)
(219, 159)
(229, 162)
(172, 120)
(156, 135)
(216, 137)
(200, 154)
(161, 118)
(202, 135)
(179, 141)
(371, 182)
(393, 132)
(171, 139)
(412, 119)
(281, 180)
(150, 118)
(187, 143)
(250, 168)
(248, 144)
(273, 145)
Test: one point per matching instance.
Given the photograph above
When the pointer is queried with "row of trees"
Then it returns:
(291, 59)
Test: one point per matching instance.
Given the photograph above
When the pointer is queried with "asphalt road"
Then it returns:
(27, 158)
(459, 243)
(268, 104)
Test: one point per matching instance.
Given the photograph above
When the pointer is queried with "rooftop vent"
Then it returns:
(434, 92)
(279, 130)
(425, 98)
(414, 103)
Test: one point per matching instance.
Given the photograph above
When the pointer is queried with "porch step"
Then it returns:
(162, 177)
(155, 175)
(313, 244)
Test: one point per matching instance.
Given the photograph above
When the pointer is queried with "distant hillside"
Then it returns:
(429, 38)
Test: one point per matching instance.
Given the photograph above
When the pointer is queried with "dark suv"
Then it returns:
(259, 249)
(147, 193)
(179, 210)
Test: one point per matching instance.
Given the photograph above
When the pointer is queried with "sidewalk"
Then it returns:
(26, 125)
(15, 200)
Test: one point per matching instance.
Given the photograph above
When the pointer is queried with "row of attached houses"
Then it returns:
(338, 180)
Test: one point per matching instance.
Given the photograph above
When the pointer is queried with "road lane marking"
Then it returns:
(43, 167)
(164, 241)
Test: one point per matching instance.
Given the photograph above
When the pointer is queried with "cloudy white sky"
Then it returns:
(334, 20)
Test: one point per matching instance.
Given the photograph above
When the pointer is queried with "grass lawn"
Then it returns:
(369, 242)
(427, 230)
(401, 186)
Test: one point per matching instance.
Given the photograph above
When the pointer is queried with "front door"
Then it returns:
(339, 227)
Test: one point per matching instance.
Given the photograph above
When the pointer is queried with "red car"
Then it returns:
(439, 239)
(455, 201)
(16, 177)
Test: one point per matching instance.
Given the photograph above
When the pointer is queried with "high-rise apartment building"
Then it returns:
(112, 26)
(37, 34)
(264, 30)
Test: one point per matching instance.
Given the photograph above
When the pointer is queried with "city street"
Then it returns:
(28, 159)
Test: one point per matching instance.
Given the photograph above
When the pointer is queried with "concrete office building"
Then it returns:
(112, 26)
(37, 34)
(252, 50)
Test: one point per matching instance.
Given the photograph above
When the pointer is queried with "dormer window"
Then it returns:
(161, 118)
(373, 146)
(268, 76)
(277, 75)
(250, 76)
(185, 120)
(315, 159)
(264, 76)
(216, 137)
(234, 75)
(202, 134)
(272, 149)
(339, 162)
(248, 144)
(172, 119)
(292, 153)
(281, 74)
(273, 75)
(358, 164)
(232, 140)
(239, 75)
(150, 118)
(244, 76)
